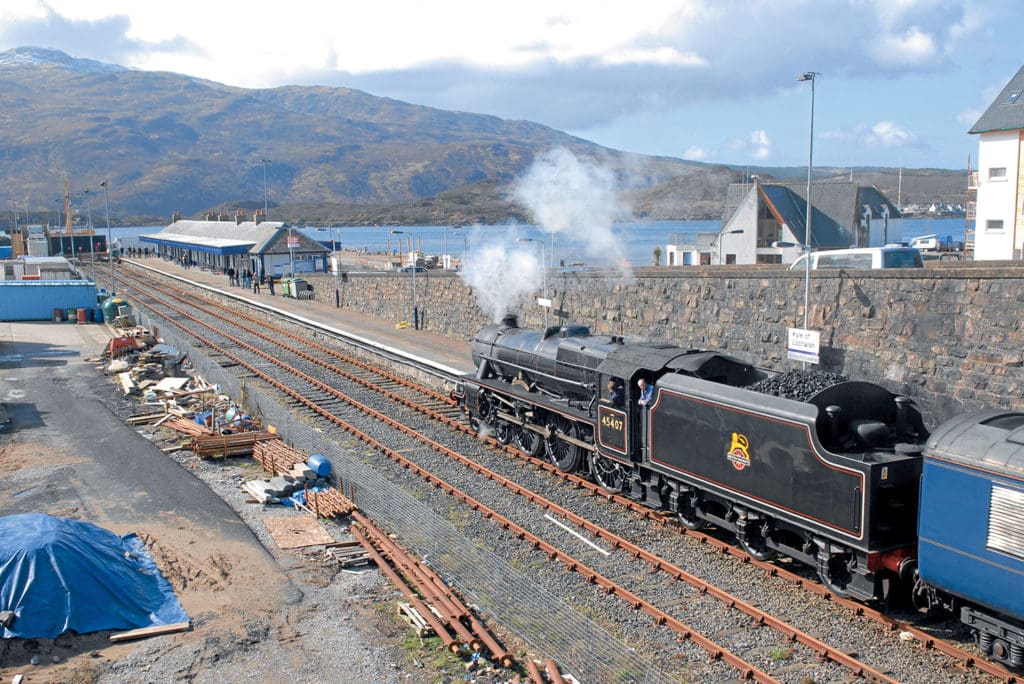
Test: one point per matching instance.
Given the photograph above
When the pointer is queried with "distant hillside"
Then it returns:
(171, 142)
(168, 142)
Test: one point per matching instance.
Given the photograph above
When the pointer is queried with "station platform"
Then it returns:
(455, 354)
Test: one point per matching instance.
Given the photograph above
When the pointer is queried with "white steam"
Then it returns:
(503, 272)
(574, 200)
(578, 201)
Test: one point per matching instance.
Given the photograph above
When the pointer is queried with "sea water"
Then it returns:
(635, 240)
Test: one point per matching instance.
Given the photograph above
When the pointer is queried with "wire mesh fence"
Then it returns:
(512, 599)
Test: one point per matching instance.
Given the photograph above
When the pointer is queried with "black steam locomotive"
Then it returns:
(830, 480)
(842, 476)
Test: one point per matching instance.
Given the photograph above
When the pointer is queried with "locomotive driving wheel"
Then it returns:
(503, 432)
(565, 455)
(528, 441)
(609, 474)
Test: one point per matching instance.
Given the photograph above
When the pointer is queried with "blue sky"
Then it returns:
(901, 81)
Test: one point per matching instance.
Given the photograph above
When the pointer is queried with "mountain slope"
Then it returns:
(171, 142)
(168, 142)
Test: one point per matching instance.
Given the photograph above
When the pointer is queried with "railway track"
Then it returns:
(398, 390)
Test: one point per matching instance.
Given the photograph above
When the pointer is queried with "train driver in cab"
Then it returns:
(615, 393)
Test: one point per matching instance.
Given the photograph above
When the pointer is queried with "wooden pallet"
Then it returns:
(415, 620)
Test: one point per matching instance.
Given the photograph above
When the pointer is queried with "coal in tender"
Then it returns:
(799, 385)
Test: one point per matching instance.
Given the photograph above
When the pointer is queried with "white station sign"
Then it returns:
(804, 345)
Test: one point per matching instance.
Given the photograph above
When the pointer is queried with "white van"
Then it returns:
(865, 257)
(927, 242)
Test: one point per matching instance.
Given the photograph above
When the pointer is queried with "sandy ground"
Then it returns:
(258, 613)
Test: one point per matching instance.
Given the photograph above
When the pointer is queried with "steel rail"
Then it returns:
(660, 617)
(396, 355)
(965, 659)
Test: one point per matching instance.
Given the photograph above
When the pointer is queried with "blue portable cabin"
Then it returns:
(36, 300)
(971, 524)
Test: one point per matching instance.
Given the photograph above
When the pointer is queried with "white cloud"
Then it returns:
(696, 153)
(888, 134)
(663, 55)
(563, 64)
(913, 46)
(757, 145)
(760, 144)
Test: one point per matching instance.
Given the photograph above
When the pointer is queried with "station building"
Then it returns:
(217, 243)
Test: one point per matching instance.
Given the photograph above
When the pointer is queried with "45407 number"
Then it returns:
(612, 422)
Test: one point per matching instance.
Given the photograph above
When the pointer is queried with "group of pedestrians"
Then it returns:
(244, 278)
(241, 278)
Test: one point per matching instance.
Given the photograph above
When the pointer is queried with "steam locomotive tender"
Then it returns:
(830, 479)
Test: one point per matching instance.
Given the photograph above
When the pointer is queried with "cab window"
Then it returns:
(844, 260)
(903, 258)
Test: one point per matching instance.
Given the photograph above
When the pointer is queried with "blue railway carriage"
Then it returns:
(971, 528)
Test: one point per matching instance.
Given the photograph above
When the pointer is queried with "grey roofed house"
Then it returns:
(1006, 113)
(839, 210)
(784, 207)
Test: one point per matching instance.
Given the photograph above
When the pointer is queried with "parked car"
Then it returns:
(410, 269)
(927, 242)
(865, 257)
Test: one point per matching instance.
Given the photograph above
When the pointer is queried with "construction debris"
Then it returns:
(348, 554)
(181, 400)
(295, 532)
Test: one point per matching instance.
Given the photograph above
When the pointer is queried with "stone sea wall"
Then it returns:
(949, 337)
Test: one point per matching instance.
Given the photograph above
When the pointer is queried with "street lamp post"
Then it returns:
(263, 163)
(88, 213)
(110, 242)
(334, 267)
(266, 217)
(60, 224)
(543, 272)
(808, 76)
(731, 232)
(415, 266)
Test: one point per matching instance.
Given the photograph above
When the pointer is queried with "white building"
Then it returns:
(999, 227)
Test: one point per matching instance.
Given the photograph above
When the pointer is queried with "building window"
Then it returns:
(997, 173)
(769, 258)
(994, 226)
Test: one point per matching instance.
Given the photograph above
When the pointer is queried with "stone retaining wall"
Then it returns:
(950, 337)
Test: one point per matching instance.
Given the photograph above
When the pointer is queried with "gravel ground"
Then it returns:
(333, 625)
(901, 660)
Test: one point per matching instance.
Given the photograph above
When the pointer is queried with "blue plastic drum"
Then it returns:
(319, 465)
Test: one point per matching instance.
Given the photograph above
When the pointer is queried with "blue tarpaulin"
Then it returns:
(58, 574)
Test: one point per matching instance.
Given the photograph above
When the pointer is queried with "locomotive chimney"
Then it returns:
(510, 321)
